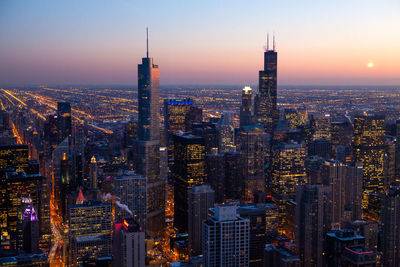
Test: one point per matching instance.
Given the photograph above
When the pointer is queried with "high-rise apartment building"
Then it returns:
(129, 248)
(147, 146)
(130, 190)
(226, 238)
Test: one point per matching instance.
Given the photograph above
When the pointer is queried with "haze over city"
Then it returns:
(199, 42)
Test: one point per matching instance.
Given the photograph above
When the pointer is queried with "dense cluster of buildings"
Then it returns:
(280, 188)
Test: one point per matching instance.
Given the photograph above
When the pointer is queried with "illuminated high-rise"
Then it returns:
(14, 156)
(288, 169)
(369, 149)
(321, 127)
(89, 231)
(189, 170)
(265, 103)
(247, 107)
(147, 146)
(175, 112)
(17, 188)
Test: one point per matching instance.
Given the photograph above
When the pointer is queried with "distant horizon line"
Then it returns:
(197, 86)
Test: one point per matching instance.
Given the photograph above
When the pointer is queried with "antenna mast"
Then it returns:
(274, 42)
(147, 42)
(268, 41)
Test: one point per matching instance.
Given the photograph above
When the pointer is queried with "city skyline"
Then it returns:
(83, 43)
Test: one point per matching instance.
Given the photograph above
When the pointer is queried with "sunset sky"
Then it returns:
(200, 42)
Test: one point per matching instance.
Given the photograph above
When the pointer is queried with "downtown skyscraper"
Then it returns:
(266, 110)
(147, 146)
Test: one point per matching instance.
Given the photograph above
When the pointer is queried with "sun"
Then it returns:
(370, 64)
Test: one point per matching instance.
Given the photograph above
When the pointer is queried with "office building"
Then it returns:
(391, 224)
(14, 156)
(369, 149)
(30, 230)
(321, 127)
(346, 182)
(200, 200)
(216, 175)
(234, 176)
(64, 122)
(247, 107)
(288, 169)
(266, 110)
(189, 170)
(14, 188)
(259, 216)
(252, 147)
(175, 112)
(89, 231)
(313, 220)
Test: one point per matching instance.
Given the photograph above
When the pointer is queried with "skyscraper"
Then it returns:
(64, 122)
(89, 231)
(247, 107)
(189, 169)
(321, 127)
(129, 245)
(200, 199)
(313, 221)
(259, 217)
(93, 173)
(130, 189)
(369, 149)
(252, 145)
(288, 169)
(175, 112)
(148, 143)
(265, 104)
(391, 224)
(30, 230)
(346, 182)
(226, 238)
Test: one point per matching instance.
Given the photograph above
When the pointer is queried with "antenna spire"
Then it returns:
(273, 42)
(147, 42)
(267, 41)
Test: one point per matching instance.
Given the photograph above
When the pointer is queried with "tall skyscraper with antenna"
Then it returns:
(266, 110)
(148, 144)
